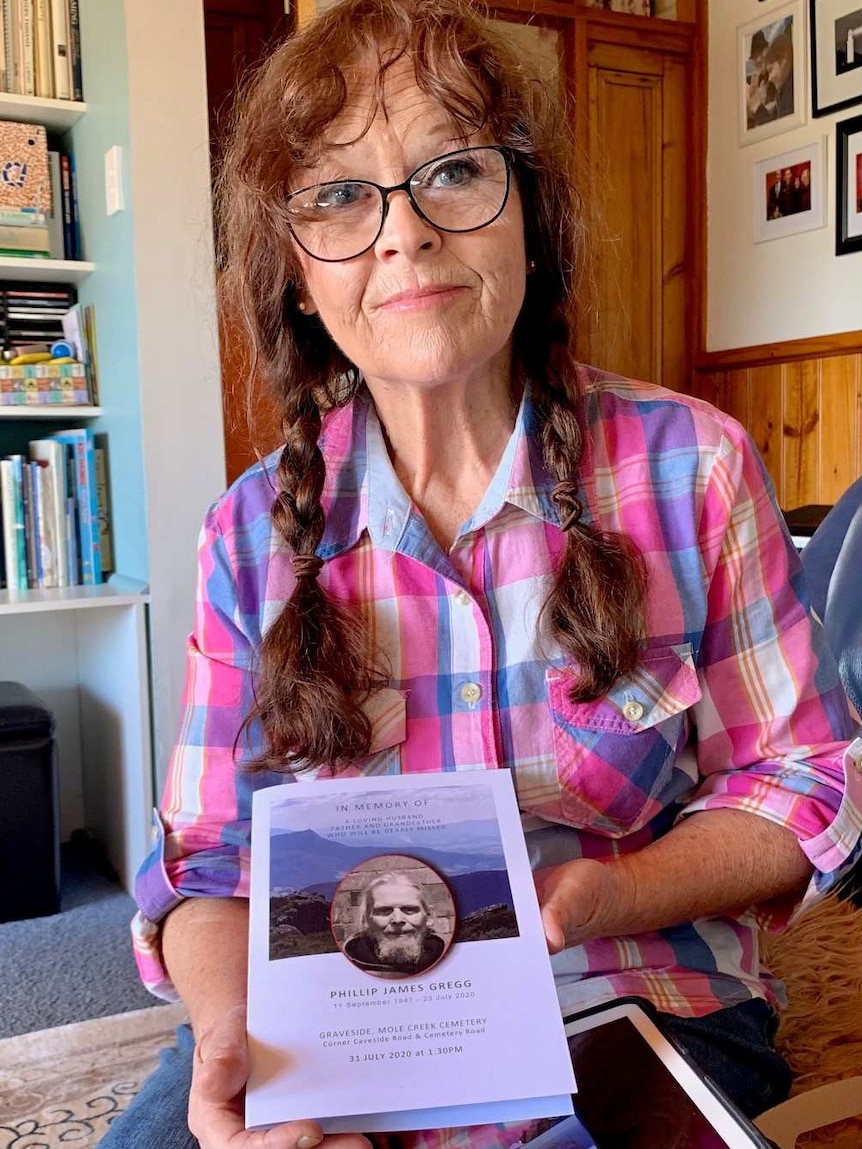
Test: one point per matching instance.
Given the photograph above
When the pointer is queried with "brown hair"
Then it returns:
(315, 668)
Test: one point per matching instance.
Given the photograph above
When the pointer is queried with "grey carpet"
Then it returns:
(73, 965)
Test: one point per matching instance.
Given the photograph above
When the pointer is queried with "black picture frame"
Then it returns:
(822, 104)
(846, 130)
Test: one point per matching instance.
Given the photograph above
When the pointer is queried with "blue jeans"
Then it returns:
(733, 1046)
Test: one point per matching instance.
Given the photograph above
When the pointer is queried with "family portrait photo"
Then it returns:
(848, 223)
(788, 192)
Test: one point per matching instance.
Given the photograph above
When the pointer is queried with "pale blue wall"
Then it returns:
(108, 241)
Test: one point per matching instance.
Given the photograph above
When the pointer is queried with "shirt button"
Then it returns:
(633, 711)
(471, 692)
(462, 598)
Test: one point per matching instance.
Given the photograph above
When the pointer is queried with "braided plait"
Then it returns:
(596, 605)
(314, 663)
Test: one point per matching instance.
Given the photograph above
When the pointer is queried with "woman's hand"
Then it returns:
(216, 1100)
(579, 901)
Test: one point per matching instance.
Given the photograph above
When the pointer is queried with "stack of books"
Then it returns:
(33, 312)
(25, 190)
(55, 513)
(40, 48)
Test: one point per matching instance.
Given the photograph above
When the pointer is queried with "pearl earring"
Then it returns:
(301, 305)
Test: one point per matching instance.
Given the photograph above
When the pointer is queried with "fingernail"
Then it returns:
(308, 1142)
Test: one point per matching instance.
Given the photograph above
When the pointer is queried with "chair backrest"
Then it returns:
(833, 567)
(821, 553)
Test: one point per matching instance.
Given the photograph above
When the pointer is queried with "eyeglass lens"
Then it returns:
(460, 191)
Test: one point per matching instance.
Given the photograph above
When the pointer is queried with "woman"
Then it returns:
(474, 553)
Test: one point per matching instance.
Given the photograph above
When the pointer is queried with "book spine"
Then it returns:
(76, 214)
(106, 541)
(4, 79)
(30, 526)
(27, 47)
(86, 503)
(10, 540)
(44, 50)
(55, 222)
(68, 226)
(8, 47)
(51, 457)
(60, 49)
(75, 51)
(75, 578)
(20, 522)
(16, 48)
(48, 550)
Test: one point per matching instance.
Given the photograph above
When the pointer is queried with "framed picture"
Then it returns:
(789, 192)
(848, 224)
(836, 54)
(772, 74)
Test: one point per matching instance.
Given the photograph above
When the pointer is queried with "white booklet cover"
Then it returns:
(399, 976)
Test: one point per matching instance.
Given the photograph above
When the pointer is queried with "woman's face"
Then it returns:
(422, 307)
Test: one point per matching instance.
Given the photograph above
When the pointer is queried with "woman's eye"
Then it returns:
(452, 174)
(340, 195)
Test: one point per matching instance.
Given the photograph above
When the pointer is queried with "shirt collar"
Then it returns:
(362, 491)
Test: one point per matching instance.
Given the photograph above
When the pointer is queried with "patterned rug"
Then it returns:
(64, 1086)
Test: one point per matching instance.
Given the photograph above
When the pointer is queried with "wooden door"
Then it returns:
(635, 116)
(237, 33)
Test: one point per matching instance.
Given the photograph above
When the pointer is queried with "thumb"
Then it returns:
(554, 923)
(222, 1059)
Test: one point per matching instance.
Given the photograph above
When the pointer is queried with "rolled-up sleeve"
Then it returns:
(772, 725)
(201, 830)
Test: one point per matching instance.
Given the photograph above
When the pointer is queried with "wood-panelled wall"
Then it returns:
(802, 403)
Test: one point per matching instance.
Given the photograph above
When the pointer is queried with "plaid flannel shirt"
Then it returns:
(735, 703)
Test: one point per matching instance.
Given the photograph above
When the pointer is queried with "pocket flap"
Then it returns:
(663, 683)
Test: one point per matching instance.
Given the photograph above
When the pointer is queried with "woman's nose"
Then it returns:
(405, 232)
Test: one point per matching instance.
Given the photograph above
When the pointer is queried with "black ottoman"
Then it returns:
(29, 835)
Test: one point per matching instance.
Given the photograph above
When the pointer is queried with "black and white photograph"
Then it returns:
(788, 192)
(393, 916)
(848, 239)
(771, 74)
(836, 54)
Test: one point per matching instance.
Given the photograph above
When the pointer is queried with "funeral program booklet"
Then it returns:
(399, 976)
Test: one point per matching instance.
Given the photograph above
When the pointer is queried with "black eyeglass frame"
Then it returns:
(404, 186)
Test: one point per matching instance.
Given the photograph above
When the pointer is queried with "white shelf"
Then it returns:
(44, 270)
(118, 592)
(56, 115)
(50, 411)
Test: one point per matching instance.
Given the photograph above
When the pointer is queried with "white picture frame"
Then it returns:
(789, 192)
(771, 53)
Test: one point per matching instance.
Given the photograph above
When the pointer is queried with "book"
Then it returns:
(43, 48)
(52, 457)
(4, 78)
(55, 219)
(68, 208)
(60, 49)
(11, 525)
(394, 926)
(24, 179)
(83, 487)
(103, 499)
(28, 43)
(75, 51)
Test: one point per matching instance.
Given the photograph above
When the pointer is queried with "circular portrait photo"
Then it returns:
(393, 916)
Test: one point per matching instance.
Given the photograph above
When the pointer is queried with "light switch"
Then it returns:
(114, 179)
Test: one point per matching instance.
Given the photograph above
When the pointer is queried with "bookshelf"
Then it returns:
(52, 412)
(84, 649)
(44, 270)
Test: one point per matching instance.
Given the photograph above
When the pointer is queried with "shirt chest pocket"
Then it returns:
(615, 755)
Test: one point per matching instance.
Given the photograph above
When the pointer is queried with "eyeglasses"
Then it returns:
(456, 192)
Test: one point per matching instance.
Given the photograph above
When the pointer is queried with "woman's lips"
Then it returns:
(420, 298)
